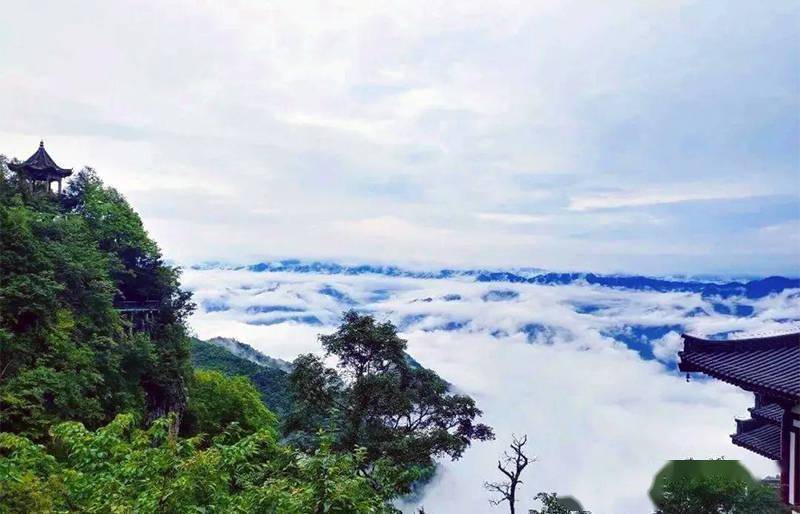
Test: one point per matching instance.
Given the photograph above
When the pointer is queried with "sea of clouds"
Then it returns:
(587, 372)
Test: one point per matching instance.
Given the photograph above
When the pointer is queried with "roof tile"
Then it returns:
(764, 440)
(769, 365)
(772, 413)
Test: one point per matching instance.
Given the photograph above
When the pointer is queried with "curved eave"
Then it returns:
(768, 365)
(764, 441)
(30, 170)
(752, 386)
(755, 449)
(772, 413)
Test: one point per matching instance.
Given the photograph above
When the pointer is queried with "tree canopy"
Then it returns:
(66, 353)
(717, 494)
(216, 401)
(122, 468)
(377, 401)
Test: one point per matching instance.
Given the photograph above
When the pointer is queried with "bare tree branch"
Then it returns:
(512, 467)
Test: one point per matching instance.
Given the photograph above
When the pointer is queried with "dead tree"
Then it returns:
(511, 466)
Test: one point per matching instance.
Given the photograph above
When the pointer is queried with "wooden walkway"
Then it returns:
(133, 307)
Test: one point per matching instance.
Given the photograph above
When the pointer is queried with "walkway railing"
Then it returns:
(133, 306)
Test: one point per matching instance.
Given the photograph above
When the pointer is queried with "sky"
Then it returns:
(652, 137)
(587, 372)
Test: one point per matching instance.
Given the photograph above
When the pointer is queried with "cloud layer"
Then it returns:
(586, 371)
(646, 136)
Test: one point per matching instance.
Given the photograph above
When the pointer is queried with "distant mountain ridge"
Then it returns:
(247, 352)
(268, 374)
(757, 288)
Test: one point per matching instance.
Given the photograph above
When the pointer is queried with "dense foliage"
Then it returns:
(216, 401)
(271, 383)
(718, 495)
(554, 504)
(66, 353)
(398, 413)
(121, 468)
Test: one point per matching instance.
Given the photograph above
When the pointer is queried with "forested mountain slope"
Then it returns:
(101, 411)
(66, 352)
(271, 382)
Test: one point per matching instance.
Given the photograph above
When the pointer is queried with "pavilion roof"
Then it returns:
(768, 365)
(41, 163)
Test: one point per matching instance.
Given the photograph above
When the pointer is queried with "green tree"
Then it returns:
(718, 495)
(140, 275)
(395, 411)
(554, 504)
(217, 401)
(272, 383)
(121, 468)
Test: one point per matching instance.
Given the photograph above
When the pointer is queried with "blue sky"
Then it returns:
(656, 137)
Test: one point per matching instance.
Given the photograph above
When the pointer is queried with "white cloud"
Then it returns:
(388, 227)
(666, 349)
(426, 112)
(512, 219)
(600, 418)
(690, 192)
(601, 423)
(369, 129)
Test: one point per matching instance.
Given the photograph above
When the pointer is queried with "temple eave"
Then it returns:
(764, 440)
(769, 367)
(766, 366)
(770, 413)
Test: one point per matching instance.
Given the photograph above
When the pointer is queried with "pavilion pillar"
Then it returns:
(786, 431)
(790, 461)
(59, 187)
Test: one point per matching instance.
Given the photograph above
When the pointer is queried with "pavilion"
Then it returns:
(41, 171)
(769, 367)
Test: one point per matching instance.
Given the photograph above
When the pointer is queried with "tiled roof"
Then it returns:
(772, 413)
(767, 364)
(764, 440)
(40, 161)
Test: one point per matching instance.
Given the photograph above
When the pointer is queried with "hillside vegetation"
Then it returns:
(101, 410)
(66, 353)
(271, 382)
